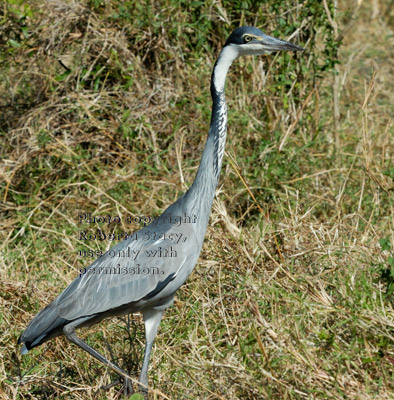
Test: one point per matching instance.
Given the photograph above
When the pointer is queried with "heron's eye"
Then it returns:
(247, 38)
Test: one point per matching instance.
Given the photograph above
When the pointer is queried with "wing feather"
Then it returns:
(112, 281)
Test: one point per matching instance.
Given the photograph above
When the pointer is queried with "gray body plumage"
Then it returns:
(92, 297)
(95, 294)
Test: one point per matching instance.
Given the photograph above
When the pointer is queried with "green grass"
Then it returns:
(292, 303)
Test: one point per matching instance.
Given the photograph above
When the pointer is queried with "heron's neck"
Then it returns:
(203, 188)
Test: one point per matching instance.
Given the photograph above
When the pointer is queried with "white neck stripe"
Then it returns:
(226, 57)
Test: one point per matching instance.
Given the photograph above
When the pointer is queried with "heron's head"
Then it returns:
(248, 40)
(245, 41)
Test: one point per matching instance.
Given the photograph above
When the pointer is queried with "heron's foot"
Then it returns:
(127, 386)
(106, 387)
(143, 386)
(143, 391)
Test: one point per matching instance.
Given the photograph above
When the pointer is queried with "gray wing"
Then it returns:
(114, 283)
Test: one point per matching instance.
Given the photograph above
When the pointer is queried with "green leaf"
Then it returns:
(389, 172)
(136, 396)
(14, 43)
(385, 244)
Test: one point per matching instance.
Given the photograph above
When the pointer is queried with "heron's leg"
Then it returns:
(152, 320)
(69, 332)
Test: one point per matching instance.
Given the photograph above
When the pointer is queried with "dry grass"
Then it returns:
(291, 303)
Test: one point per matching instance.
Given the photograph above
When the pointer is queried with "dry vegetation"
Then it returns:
(104, 109)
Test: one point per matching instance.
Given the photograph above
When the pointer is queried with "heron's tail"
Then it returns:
(44, 326)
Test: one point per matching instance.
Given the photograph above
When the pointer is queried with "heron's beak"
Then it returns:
(270, 44)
